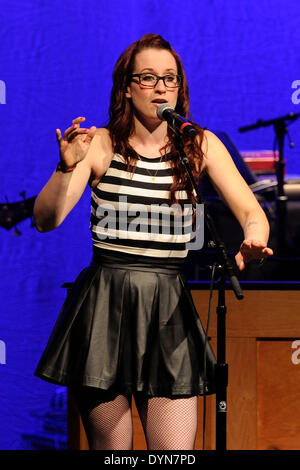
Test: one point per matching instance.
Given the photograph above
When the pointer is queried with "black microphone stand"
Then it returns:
(226, 270)
(280, 128)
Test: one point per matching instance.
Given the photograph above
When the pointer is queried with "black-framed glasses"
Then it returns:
(151, 79)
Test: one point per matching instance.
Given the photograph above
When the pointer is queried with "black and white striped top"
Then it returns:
(132, 213)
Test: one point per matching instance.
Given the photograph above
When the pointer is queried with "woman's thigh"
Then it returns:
(106, 417)
(168, 423)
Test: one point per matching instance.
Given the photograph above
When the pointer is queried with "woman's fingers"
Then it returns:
(90, 133)
(254, 249)
(78, 135)
(58, 136)
(268, 251)
(76, 122)
(75, 125)
(251, 250)
(253, 243)
(241, 265)
(74, 133)
(239, 261)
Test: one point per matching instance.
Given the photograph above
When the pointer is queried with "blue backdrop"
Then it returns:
(56, 61)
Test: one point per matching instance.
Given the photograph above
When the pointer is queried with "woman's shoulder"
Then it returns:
(205, 141)
(211, 145)
(103, 137)
(102, 131)
(209, 139)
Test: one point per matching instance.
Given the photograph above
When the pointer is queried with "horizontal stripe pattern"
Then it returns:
(132, 213)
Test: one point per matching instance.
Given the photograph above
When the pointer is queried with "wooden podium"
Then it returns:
(263, 355)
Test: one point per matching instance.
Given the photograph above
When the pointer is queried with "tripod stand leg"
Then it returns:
(221, 370)
(221, 406)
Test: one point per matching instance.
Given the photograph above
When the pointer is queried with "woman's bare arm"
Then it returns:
(235, 192)
(63, 190)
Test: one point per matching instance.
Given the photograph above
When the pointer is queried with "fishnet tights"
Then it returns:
(168, 423)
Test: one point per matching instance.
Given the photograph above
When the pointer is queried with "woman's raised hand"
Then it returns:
(74, 146)
(250, 250)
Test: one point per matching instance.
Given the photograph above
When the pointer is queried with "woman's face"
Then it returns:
(145, 100)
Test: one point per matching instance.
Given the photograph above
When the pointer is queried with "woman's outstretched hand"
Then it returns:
(74, 146)
(250, 250)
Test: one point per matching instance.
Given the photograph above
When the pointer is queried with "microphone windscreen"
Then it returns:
(160, 110)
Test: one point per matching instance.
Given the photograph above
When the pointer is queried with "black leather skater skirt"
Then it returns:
(129, 324)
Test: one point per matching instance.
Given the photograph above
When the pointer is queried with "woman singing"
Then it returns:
(129, 325)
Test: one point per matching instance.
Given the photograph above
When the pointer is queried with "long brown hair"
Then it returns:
(121, 123)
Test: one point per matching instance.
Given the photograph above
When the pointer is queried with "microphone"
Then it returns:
(166, 112)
